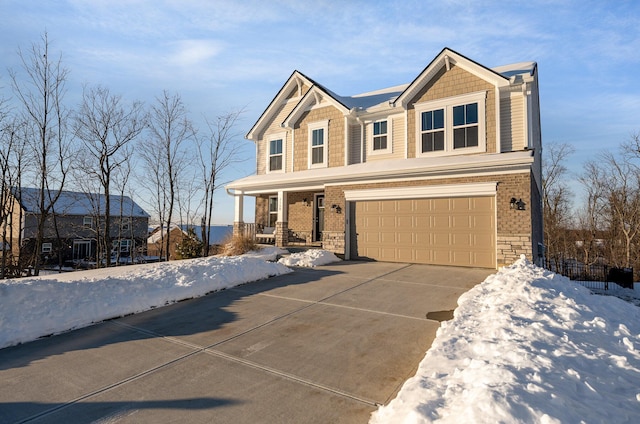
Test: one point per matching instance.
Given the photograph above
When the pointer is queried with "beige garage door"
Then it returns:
(455, 231)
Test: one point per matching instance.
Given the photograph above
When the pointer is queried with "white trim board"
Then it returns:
(422, 192)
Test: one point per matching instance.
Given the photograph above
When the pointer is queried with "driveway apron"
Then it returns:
(328, 344)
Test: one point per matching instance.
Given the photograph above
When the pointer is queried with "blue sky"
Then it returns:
(224, 55)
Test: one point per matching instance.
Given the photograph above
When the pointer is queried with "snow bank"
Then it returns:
(309, 258)
(527, 345)
(266, 253)
(39, 306)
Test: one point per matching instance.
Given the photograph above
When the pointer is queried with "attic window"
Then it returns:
(87, 221)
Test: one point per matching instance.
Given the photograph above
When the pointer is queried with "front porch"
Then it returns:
(290, 219)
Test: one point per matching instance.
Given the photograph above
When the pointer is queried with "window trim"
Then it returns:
(270, 138)
(89, 219)
(389, 149)
(323, 125)
(49, 247)
(448, 104)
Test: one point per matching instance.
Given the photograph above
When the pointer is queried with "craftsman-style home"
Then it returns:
(442, 170)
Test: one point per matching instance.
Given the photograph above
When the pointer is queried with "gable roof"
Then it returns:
(386, 98)
(79, 203)
(446, 58)
(295, 80)
(315, 95)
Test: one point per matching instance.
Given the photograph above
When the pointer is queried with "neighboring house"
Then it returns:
(156, 243)
(443, 170)
(71, 229)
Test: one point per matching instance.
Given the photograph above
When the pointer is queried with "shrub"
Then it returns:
(238, 245)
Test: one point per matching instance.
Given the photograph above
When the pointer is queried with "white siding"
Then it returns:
(397, 140)
(512, 123)
(355, 144)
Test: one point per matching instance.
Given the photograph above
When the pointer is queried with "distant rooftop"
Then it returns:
(79, 203)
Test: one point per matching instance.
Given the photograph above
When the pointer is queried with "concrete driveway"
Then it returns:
(319, 345)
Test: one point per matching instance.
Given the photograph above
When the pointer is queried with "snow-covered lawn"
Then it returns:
(527, 346)
(524, 346)
(34, 307)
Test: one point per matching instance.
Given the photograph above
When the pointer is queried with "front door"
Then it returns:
(319, 218)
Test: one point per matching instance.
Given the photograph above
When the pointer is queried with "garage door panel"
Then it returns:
(447, 231)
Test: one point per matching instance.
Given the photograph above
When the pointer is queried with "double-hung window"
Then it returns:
(275, 155)
(465, 126)
(318, 143)
(380, 135)
(455, 125)
(432, 130)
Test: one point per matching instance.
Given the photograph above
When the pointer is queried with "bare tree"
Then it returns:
(591, 219)
(106, 126)
(217, 152)
(41, 97)
(165, 157)
(556, 199)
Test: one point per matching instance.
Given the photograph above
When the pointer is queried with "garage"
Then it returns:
(458, 231)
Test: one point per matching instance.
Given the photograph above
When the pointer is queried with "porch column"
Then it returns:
(282, 226)
(238, 217)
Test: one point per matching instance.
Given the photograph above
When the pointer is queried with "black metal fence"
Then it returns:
(595, 276)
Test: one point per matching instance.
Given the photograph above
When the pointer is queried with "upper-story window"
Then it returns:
(380, 135)
(275, 155)
(455, 125)
(465, 126)
(47, 247)
(318, 135)
(87, 221)
(432, 130)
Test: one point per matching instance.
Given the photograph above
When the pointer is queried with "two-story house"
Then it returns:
(442, 170)
(75, 225)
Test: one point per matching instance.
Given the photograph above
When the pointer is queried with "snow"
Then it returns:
(34, 307)
(267, 253)
(524, 346)
(310, 258)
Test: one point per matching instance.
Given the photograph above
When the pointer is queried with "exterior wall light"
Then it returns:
(336, 209)
(517, 204)
(305, 201)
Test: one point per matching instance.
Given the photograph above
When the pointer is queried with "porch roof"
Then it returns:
(371, 172)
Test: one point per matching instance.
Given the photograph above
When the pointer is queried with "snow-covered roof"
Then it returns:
(508, 71)
(79, 203)
(372, 98)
